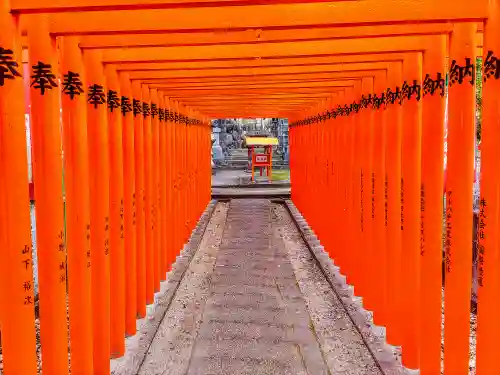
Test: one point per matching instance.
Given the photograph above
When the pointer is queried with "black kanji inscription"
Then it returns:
(96, 95)
(146, 111)
(458, 73)
(137, 107)
(154, 110)
(8, 67)
(125, 105)
(491, 66)
(113, 100)
(42, 78)
(72, 85)
(430, 86)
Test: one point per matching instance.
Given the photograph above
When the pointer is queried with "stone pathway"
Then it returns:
(254, 303)
(255, 321)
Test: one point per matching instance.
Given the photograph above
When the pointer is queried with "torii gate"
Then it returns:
(126, 172)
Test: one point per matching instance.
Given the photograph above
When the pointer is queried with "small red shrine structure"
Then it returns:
(262, 161)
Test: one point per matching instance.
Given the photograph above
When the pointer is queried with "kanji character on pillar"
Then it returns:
(72, 85)
(96, 95)
(42, 78)
(8, 67)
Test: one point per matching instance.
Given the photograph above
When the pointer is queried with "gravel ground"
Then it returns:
(171, 348)
(262, 278)
(342, 346)
(472, 337)
(255, 321)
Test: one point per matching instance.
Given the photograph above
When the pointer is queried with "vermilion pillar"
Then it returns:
(187, 177)
(170, 187)
(183, 177)
(378, 207)
(326, 159)
(184, 174)
(320, 140)
(393, 233)
(156, 209)
(176, 198)
(410, 202)
(198, 165)
(326, 124)
(76, 183)
(16, 273)
(351, 195)
(97, 125)
(343, 123)
(47, 172)
(129, 199)
(431, 206)
(488, 232)
(356, 270)
(139, 198)
(191, 182)
(148, 189)
(116, 213)
(163, 204)
(194, 173)
(460, 175)
(291, 158)
(321, 175)
(366, 151)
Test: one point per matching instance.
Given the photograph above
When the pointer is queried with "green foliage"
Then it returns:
(479, 97)
(281, 175)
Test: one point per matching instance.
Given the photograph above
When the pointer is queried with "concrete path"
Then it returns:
(255, 321)
(254, 303)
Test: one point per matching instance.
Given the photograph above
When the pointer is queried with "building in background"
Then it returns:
(229, 134)
(279, 128)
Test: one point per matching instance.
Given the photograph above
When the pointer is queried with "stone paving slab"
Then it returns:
(278, 316)
(266, 282)
(246, 301)
(242, 348)
(243, 366)
(288, 292)
(256, 321)
(281, 273)
(248, 331)
(263, 308)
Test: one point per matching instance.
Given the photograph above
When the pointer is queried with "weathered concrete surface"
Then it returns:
(253, 315)
(387, 357)
(342, 345)
(255, 321)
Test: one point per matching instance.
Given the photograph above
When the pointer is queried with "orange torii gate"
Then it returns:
(136, 94)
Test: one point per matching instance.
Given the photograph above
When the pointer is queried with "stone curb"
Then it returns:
(384, 354)
(156, 312)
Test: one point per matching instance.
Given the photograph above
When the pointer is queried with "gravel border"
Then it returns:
(342, 347)
(387, 356)
(173, 343)
(374, 335)
(137, 346)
